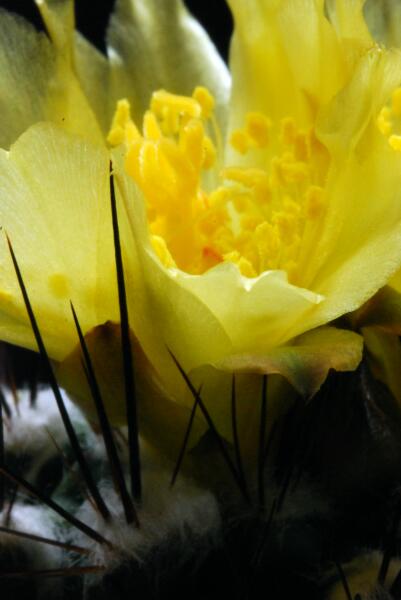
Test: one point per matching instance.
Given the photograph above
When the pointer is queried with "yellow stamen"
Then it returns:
(191, 142)
(151, 128)
(258, 128)
(174, 110)
(384, 122)
(121, 119)
(388, 120)
(209, 154)
(395, 142)
(205, 100)
(255, 217)
(240, 141)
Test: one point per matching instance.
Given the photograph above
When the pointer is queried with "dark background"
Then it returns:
(92, 17)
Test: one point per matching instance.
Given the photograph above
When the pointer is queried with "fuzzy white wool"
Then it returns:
(186, 517)
(34, 520)
(29, 427)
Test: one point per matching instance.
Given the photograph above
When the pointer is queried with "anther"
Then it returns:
(209, 153)
(395, 142)
(258, 129)
(255, 218)
(121, 119)
(240, 141)
(205, 100)
(151, 128)
(163, 102)
(384, 122)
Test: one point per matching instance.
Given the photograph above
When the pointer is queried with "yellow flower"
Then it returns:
(247, 222)
(67, 82)
(295, 196)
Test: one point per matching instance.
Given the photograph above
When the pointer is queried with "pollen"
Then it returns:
(200, 215)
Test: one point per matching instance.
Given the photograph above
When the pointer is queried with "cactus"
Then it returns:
(55, 540)
(95, 506)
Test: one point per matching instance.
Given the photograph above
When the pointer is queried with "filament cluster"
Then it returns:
(201, 215)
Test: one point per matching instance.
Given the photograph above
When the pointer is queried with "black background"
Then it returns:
(92, 17)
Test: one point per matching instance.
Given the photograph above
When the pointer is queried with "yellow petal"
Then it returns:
(349, 21)
(365, 250)
(54, 205)
(154, 44)
(384, 354)
(395, 281)
(344, 121)
(382, 311)
(258, 313)
(92, 70)
(285, 59)
(384, 20)
(306, 361)
(90, 66)
(59, 18)
(359, 245)
(37, 84)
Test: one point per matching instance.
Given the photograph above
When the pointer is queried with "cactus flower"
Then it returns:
(252, 213)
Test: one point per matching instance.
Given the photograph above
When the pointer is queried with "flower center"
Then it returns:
(200, 215)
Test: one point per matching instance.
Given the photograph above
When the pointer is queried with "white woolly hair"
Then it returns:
(30, 427)
(361, 574)
(182, 522)
(35, 520)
